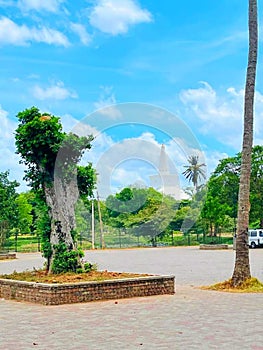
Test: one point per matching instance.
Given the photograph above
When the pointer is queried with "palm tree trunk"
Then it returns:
(242, 266)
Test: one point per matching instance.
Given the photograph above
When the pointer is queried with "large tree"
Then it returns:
(141, 211)
(223, 187)
(52, 157)
(242, 266)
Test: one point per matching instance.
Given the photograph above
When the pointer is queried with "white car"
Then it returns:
(255, 238)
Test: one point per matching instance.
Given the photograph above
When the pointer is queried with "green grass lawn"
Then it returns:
(24, 243)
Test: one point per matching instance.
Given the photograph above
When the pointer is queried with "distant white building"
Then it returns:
(164, 181)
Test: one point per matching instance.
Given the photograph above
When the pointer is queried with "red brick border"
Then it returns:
(4, 256)
(213, 246)
(56, 294)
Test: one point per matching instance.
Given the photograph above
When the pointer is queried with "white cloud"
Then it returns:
(106, 104)
(135, 160)
(69, 123)
(212, 159)
(221, 116)
(82, 128)
(177, 152)
(7, 3)
(125, 163)
(9, 160)
(124, 177)
(116, 16)
(111, 112)
(101, 144)
(7, 127)
(40, 5)
(33, 76)
(55, 92)
(81, 31)
(15, 80)
(21, 35)
(216, 116)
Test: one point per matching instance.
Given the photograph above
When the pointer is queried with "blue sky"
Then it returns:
(71, 58)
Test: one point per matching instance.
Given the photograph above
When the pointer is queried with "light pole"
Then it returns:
(92, 226)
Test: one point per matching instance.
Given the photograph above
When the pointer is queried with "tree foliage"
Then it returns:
(38, 140)
(8, 196)
(222, 191)
(194, 171)
(47, 151)
(8, 206)
(142, 211)
(25, 215)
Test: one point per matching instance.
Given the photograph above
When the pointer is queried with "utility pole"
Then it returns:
(102, 244)
(92, 226)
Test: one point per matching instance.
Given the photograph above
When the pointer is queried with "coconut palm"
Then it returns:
(194, 171)
(242, 267)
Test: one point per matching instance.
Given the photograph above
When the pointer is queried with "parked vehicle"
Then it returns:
(255, 238)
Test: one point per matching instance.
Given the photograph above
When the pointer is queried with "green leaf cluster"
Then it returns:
(47, 151)
(86, 179)
(144, 211)
(38, 140)
(220, 208)
(8, 207)
(194, 171)
(25, 217)
(66, 260)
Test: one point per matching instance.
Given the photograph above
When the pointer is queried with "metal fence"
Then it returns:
(117, 239)
(23, 244)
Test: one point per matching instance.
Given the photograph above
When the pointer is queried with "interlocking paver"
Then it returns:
(191, 319)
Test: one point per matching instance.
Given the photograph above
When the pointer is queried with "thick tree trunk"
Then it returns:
(61, 199)
(242, 267)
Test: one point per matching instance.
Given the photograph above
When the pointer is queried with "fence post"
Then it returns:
(16, 234)
(120, 237)
(38, 243)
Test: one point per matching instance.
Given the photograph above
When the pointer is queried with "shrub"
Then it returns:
(66, 260)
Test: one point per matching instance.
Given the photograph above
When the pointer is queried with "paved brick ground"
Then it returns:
(191, 319)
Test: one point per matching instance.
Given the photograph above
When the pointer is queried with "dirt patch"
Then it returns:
(41, 276)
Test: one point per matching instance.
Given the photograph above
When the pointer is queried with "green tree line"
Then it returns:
(144, 211)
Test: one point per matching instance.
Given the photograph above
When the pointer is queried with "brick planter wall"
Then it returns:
(213, 246)
(55, 294)
(4, 256)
